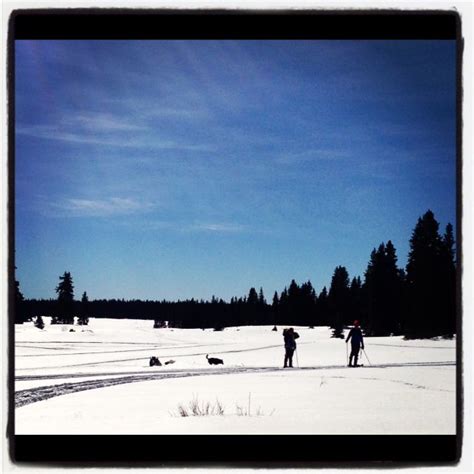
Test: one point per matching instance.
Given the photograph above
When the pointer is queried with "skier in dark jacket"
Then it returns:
(357, 341)
(289, 336)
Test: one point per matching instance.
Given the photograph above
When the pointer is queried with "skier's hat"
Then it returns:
(356, 322)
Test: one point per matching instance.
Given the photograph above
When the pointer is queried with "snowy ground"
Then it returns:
(97, 380)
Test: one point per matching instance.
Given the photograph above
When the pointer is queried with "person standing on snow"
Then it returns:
(289, 336)
(357, 341)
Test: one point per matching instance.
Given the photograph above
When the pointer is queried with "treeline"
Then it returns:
(417, 301)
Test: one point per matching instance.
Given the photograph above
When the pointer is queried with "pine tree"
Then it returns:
(253, 297)
(384, 290)
(448, 325)
(307, 304)
(356, 298)
(20, 317)
(65, 302)
(83, 318)
(394, 282)
(338, 300)
(283, 307)
(252, 307)
(293, 307)
(261, 298)
(275, 305)
(427, 294)
(323, 307)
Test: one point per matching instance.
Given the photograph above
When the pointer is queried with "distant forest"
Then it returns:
(417, 302)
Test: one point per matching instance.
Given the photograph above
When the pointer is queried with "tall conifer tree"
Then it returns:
(383, 285)
(283, 307)
(65, 302)
(322, 307)
(449, 277)
(275, 305)
(356, 297)
(261, 297)
(427, 293)
(20, 317)
(308, 304)
(338, 300)
(83, 318)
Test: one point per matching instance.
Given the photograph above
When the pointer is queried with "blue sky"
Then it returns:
(180, 169)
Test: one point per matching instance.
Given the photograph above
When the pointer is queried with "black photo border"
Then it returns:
(231, 450)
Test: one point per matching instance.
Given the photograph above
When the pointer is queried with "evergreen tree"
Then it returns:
(449, 245)
(307, 305)
(448, 325)
(323, 307)
(384, 289)
(338, 300)
(83, 318)
(293, 303)
(20, 316)
(252, 307)
(356, 299)
(275, 305)
(65, 291)
(261, 298)
(283, 307)
(427, 294)
(253, 297)
(394, 287)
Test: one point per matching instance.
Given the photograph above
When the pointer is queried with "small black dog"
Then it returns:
(154, 361)
(214, 360)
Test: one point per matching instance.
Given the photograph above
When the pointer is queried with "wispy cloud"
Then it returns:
(184, 227)
(164, 108)
(51, 132)
(103, 123)
(113, 206)
(312, 155)
(224, 227)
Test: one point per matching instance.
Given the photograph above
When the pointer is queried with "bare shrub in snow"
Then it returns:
(39, 322)
(205, 408)
(197, 408)
(247, 411)
(243, 411)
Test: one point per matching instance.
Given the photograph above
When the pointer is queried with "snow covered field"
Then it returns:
(97, 380)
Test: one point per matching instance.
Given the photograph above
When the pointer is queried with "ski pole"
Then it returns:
(347, 354)
(297, 362)
(363, 350)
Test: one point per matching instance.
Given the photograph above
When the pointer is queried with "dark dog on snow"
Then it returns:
(214, 360)
(154, 361)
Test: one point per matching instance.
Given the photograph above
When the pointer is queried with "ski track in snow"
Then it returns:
(83, 364)
(156, 347)
(414, 385)
(37, 394)
(68, 343)
(411, 347)
(321, 367)
(25, 397)
(88, 364)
